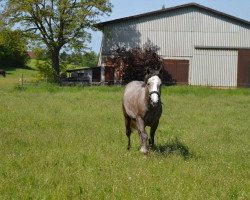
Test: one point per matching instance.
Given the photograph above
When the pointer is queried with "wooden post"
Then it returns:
(22, 81)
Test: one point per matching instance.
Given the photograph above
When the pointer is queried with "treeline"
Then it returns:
(77, 59)
(13, 48)
(70, 60)
(14, 52)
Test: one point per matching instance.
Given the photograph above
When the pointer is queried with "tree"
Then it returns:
(134, 63)
(40, 53)
(13, 52)
(90, 59)
(87, 59)
(57, 23)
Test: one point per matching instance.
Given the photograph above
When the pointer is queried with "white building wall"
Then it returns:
(177, 33)
(214, 68)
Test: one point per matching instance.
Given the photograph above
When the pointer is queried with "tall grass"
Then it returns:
(70, 143)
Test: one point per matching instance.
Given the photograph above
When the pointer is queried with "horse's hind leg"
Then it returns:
(152, 134)
(128, 129)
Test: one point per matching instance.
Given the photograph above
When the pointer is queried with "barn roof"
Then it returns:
(170, 9)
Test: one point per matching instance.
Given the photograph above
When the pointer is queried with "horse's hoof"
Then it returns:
(144, 150)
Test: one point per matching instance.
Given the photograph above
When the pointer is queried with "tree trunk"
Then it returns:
(56, 65)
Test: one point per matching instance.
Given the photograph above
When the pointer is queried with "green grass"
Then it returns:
(13, 75)
(70, 143)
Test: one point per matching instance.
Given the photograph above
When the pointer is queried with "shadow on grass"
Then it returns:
(10, 69)
(173, 147)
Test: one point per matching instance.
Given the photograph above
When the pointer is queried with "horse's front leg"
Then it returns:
(142, 134)
(152, 133)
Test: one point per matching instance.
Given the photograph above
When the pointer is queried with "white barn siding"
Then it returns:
(178, 32)
(214, 68)
(170, 32)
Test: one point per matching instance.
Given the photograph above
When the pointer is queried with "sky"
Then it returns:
(125, 8)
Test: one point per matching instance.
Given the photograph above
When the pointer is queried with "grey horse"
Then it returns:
(142, 107)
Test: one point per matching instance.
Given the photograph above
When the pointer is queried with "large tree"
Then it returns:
(57, 23)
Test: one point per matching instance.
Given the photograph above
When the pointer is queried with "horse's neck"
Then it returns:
(146, 97)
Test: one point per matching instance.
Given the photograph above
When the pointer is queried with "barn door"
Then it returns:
(175, 71)
(243, 77)
(109, 75)
(96, 74)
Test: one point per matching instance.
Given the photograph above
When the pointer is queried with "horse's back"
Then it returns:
(133, 88)
(132, 95)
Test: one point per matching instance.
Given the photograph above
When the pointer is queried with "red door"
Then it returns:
(96, 74)
(175, 71)
(109, 75)
(243, 77)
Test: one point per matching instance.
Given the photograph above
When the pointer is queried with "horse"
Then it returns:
(142, 107)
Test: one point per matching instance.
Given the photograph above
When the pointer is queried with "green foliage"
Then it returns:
(74, 58)
(41, 53)
(13, 51)
(56, 23)
(90, 59)
(45, 70)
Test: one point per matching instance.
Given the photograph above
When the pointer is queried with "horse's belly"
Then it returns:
(133, 124)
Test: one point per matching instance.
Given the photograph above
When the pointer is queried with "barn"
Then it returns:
(199, 45)
(83, 76)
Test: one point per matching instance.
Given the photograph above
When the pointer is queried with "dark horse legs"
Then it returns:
(142, 133)
(127, 126)
(152, 134)
(128, 129)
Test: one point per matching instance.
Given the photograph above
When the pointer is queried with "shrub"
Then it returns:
(134, 63)
(45, 70)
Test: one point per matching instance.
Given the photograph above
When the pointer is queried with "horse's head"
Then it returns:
(154, 90)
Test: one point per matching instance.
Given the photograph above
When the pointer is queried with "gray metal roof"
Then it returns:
(174, 9)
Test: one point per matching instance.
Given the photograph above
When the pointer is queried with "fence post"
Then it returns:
(22, 81)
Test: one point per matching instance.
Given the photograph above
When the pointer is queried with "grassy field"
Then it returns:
(70, 143)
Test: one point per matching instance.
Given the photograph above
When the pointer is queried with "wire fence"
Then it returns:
(25, 81)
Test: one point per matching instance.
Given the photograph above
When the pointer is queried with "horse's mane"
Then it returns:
(148, 76)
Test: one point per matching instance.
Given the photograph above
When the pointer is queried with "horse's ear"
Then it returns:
(159, 72)
(146, 78)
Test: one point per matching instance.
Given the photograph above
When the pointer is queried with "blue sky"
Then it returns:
(125, 8)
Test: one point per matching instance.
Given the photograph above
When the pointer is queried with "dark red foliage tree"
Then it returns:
(134, 63)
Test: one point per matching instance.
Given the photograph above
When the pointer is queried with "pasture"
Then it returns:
(70, 143)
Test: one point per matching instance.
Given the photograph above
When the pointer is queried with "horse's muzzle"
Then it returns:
(154, 104)
(154, 101)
